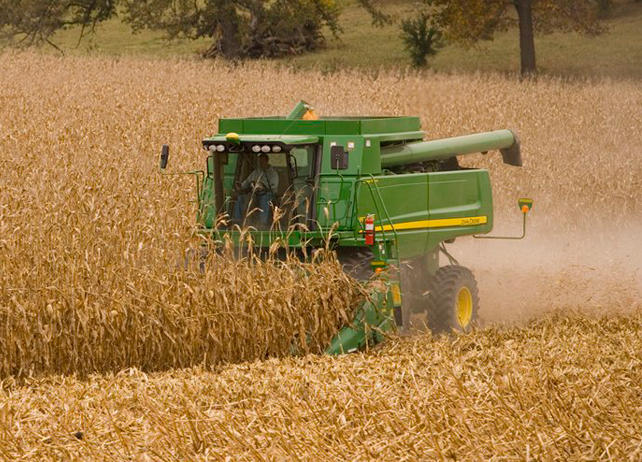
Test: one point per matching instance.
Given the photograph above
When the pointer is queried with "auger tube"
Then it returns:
(506, 141)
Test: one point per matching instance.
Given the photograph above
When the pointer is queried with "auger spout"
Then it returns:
(506, 141)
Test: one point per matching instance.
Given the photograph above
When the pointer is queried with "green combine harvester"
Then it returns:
(385, 200)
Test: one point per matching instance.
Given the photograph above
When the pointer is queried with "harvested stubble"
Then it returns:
(563, 388)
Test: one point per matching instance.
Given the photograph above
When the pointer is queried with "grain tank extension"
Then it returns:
(388, 201)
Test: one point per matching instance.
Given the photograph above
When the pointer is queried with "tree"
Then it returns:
(34, 21)
(604, 8)
(238, 28)
(469, 21)
(379, 17)
(421, 38)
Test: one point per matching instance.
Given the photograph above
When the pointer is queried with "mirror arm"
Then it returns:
(525, 204)
(193, 172)
(508, 238)
(199, 176)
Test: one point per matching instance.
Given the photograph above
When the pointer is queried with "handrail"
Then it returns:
(199, 175)
(332, 202)
(370, 182)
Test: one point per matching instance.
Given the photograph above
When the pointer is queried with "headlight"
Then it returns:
(220, 148)
(256, 148)
(212, 147)
(265, 148)
(276, 148)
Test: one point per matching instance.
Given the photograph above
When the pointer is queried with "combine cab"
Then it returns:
(387, 201)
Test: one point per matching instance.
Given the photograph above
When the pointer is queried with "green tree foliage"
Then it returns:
(238, 28)
(379, 17)
(470, 21)
(421, 38)
(33, 21)
(604, 8)
(420, 35)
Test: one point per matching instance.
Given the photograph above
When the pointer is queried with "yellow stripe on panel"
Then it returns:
(437, 223)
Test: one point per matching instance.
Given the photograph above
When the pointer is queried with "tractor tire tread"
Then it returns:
(443, 288)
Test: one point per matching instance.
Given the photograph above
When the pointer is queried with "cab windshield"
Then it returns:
(269, 190)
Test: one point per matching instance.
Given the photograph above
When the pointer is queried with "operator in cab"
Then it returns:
(261, 185)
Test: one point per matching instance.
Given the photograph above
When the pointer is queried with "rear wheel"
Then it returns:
(453, 300)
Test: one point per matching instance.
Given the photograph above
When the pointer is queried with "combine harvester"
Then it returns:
(385, 200)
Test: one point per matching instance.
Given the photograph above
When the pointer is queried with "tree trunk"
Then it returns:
(226, 37)
(526, 36)
(230, 36)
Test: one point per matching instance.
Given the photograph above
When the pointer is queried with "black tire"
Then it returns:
(449, 284)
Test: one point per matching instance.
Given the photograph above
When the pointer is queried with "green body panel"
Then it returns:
(459, 194)
(414, 211)
(299, 110)
(334, 200)
(373, 317)
(326, 126)
(411, 208)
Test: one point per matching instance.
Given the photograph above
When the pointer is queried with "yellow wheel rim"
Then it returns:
(464, 306)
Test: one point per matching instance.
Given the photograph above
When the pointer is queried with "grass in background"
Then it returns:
(617, 53)
(114, 37)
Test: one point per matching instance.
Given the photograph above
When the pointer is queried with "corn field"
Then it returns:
(93, 245)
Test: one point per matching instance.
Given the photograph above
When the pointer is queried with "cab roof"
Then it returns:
(286, 139)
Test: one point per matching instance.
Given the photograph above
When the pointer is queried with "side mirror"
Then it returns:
(164, 157)
(525, 205)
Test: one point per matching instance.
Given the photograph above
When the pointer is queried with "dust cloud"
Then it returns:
(597, 270)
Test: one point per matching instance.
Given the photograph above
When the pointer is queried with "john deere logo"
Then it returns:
(472, 221)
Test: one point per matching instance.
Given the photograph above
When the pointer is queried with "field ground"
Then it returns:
(562, 388)
(92, 241)
(617, 53)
